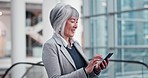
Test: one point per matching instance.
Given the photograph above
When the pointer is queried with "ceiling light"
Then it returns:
(1, 13)
(146, 36)
(104, 4)
(146, 6)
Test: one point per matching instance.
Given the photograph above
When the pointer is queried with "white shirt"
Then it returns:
(65, 42)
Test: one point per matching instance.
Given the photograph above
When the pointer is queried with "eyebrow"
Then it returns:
(73, 18)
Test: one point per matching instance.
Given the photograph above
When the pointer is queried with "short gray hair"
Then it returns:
(60, 14)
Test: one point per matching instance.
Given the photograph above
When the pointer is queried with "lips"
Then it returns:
(73, 30)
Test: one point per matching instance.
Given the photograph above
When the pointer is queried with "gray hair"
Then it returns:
(60, 14)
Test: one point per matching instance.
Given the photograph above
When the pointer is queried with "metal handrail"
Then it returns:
(130, 61)
(6, 72)
(39, 64)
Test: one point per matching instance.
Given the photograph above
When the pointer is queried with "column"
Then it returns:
(111, 34)
(18, 10)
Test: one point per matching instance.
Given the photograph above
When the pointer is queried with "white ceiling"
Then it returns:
(27, 1)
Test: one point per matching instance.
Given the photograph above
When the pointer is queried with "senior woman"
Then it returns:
(62, 55)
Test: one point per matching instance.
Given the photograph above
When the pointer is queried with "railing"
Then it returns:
(40, 64)
(33, 64)
(131, 61)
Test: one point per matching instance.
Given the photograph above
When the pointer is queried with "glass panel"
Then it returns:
(98, 32)
(132, 28)
(131, 4)
(134, 54)
(97, 6)
(5, 34)
(33, 30)
(134, 15)
(131, 69)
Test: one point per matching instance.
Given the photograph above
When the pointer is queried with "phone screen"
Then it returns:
(108, 56)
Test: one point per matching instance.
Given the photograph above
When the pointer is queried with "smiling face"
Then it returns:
(70, 27)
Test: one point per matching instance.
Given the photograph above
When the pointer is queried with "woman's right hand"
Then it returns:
(92, 63)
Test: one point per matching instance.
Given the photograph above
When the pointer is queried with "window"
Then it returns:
(122, 24)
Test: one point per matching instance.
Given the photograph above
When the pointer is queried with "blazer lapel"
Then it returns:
(81, 52)
(67, 55)
(63, 49)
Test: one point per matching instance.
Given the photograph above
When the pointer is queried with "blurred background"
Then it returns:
(103, 24)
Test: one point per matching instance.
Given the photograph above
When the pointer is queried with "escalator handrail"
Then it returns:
(6, 72)
(130, 61)
(39, 64)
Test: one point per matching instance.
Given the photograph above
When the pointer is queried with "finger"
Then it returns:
(93, 62)
(97, 64)
(97, 56)
(101, 66)
(105, 63)
(108, 60)
(98, 67)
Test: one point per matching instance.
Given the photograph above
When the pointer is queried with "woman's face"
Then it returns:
(70, 27)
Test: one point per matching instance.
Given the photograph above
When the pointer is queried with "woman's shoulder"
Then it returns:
(75, 42)
(50, 42)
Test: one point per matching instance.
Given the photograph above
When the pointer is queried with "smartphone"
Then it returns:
(108, 56)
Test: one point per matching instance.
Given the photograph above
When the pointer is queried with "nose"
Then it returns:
(76, 25)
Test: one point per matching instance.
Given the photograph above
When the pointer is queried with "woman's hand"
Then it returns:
(101, 65)
(92, 63)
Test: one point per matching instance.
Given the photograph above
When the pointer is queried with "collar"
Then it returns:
(63, 41)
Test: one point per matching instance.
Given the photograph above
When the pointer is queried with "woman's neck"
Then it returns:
(67, 40)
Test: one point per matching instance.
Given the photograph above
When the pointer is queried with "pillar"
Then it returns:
(18, 10)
